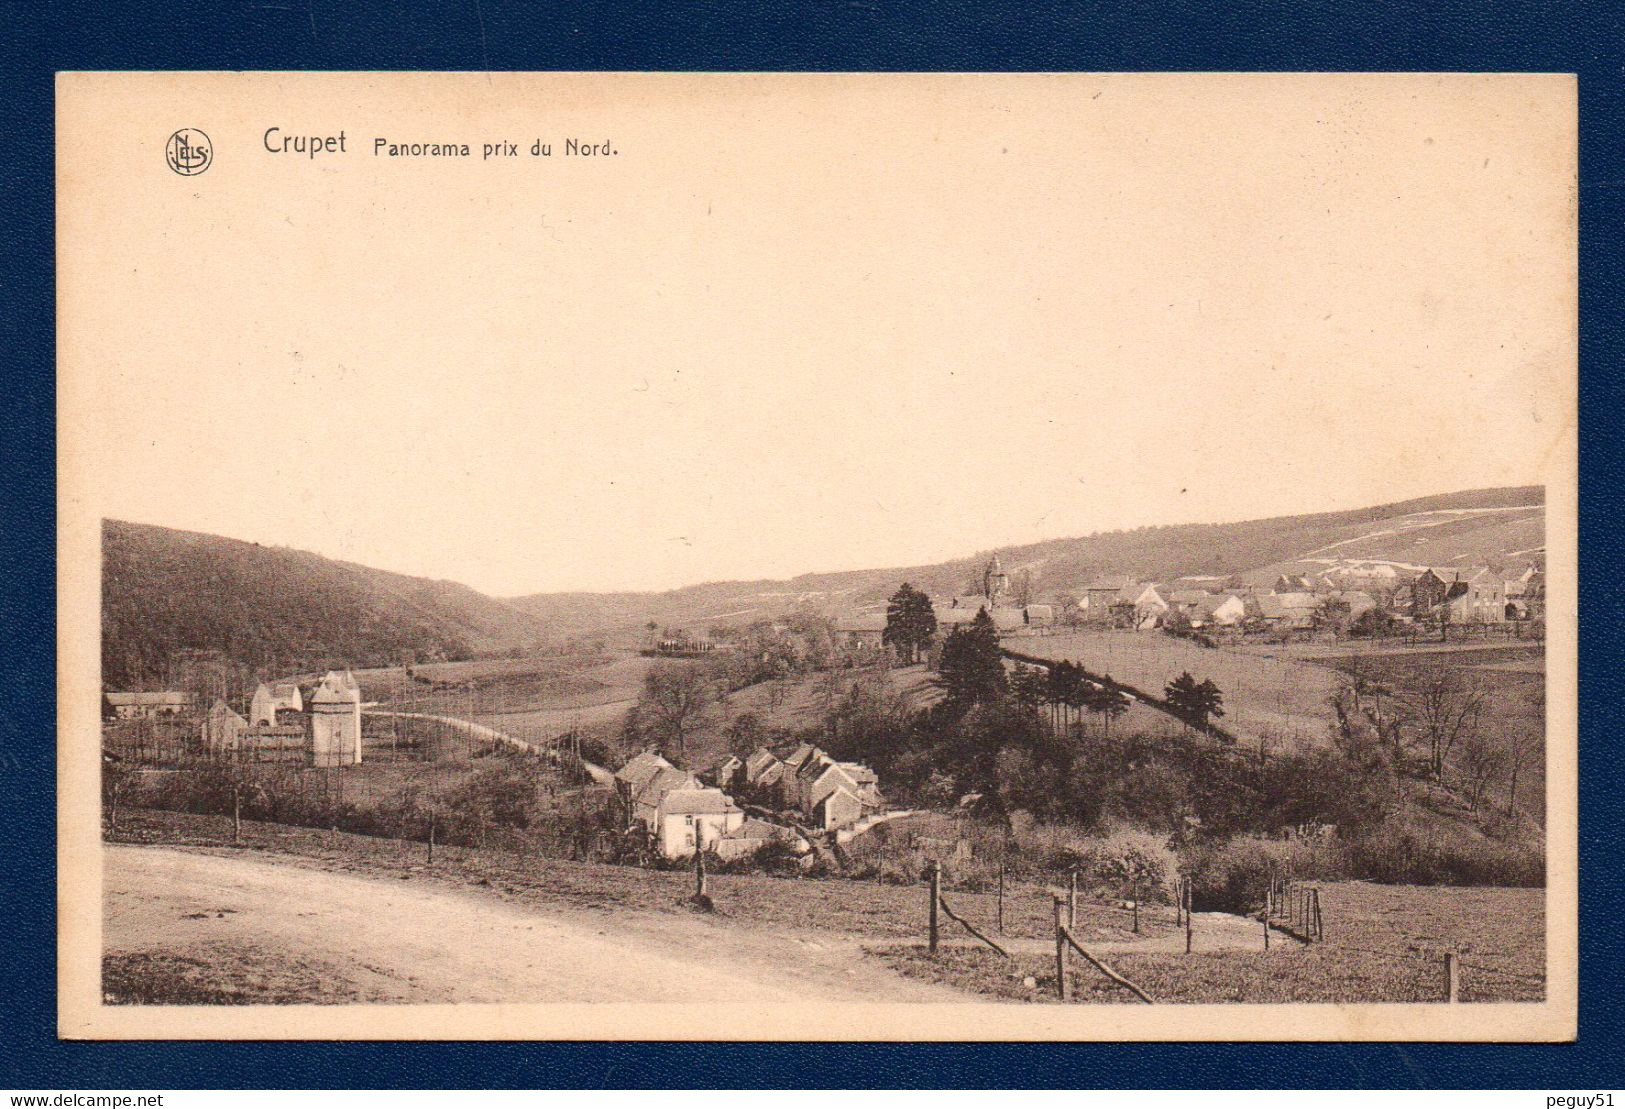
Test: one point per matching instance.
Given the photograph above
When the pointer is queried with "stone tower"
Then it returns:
(335, 721)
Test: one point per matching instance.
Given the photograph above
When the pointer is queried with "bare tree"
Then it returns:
(1480, 761)
(675, 702)
(1446, 707)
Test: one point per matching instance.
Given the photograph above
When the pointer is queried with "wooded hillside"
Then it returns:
(165, 591)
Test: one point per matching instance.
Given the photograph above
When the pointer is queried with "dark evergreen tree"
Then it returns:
(972, 670)
(911, 623)
(1196, 703)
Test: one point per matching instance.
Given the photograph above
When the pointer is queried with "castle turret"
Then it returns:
(335, 721)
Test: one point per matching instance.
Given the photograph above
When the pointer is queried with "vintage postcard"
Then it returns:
(817, 557)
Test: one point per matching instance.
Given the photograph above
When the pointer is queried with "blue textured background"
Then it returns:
(809, 34)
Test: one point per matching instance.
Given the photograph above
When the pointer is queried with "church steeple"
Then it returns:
(995, 582)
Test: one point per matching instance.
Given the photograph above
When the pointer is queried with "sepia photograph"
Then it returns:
(817, 557)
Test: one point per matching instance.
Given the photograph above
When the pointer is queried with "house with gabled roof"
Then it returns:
(838, 808)
(688, 820)
(1218, 610)
(637, 771)
(862, 632)
(1150, 606)
(146, 706)
(273, 697)
(646, 802)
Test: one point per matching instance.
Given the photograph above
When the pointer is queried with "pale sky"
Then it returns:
(804, 324)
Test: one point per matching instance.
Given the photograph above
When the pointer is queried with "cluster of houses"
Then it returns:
(320, 726)
(681, 814)
(1462, 595)
(1458, 594)
(827, 793)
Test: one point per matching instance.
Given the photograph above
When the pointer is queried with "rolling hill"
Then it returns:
(165, 591)
(1501, 527)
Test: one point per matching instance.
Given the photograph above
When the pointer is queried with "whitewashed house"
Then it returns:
(694, 819)
(269, 698)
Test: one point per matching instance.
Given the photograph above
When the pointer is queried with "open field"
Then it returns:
(535, 699)
(1263, 696)
(1383, 944)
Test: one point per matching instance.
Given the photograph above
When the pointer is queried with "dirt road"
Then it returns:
(391, 940)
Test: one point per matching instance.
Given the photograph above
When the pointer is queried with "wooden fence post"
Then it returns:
(1063, 980)
(699, 862)
(1001, 897)
(1072, 898)
(431, 836)
(1136, 892)
(1187, 918)
(935, 874)
(1320, 922)
(1265, 917)
(236, 814)
(1452, 977)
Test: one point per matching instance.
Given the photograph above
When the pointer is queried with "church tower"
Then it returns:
(995, 582)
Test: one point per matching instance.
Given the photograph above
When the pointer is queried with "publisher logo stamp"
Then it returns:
(189, 152)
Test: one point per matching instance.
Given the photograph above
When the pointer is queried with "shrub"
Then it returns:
(1133, 864)
(1402, 852)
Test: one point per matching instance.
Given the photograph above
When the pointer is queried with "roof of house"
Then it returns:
(220, 707)
(801, 754)
(1213, 602)
(759, 758)
(275, 729)
(859, 773)
(640, 768)
(815, 765)
(838, 791)
(753, 828)
(1272, 606)
(827, 783)
(170, 697)
(665, 780)
(696, 802)
(1189, 596)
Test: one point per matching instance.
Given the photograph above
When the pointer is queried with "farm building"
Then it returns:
(763, 768)
(270, 699)
(1284, 610)
(1149, 608)
(145, 706)
(750, 837)
(631, 778)
(863, 632)
(839, 808)
(222, 729)
(1473, 595)
(1102, 593)
(1218, 610)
